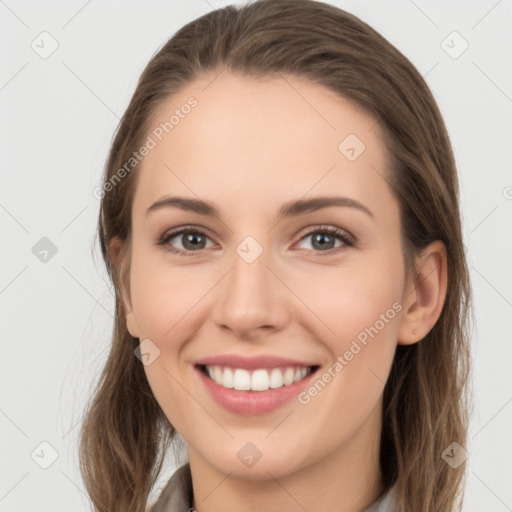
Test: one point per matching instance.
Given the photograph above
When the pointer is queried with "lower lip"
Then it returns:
(253, 402)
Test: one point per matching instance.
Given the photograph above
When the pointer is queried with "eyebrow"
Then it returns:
(289, 209)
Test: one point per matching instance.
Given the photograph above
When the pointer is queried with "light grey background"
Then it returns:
(57, 118)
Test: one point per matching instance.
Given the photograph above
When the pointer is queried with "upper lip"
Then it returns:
(251, 363)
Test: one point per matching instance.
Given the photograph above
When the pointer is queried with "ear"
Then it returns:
(121, 258)
(424, 294)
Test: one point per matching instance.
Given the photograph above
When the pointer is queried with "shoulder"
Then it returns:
(176, 496)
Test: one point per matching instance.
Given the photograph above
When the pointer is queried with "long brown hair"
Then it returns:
(426, 404)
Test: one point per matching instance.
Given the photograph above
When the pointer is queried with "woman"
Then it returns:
(280, 221)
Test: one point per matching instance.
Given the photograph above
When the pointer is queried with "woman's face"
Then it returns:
(266, 293)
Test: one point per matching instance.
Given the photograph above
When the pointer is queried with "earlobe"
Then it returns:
(120, 260)
(131, 324)
(424, 295)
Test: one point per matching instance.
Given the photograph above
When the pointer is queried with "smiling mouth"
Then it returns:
(260, 379)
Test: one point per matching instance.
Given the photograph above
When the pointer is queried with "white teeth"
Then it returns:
(288, 376)
(217, 374)
(256, 380)
(259, 380)
(241, 380)
(276, 378)
(227, 378)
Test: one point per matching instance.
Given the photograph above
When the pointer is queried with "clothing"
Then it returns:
(177, 495)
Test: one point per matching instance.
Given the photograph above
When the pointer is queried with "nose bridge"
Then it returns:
(250, 297)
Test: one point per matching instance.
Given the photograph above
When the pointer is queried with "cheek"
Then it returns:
(164, 299)
(166, 304)
(344, 303)
(362, 310)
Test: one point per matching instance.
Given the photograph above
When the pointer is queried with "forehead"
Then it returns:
(226, 136)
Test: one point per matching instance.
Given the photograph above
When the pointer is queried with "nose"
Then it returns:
(251, 301)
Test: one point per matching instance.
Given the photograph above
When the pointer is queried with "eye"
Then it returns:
(192, 240)
(324, 239)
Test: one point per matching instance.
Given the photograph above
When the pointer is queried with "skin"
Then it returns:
(249, 146)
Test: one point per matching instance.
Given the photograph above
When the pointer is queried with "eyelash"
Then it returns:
(348, 240)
